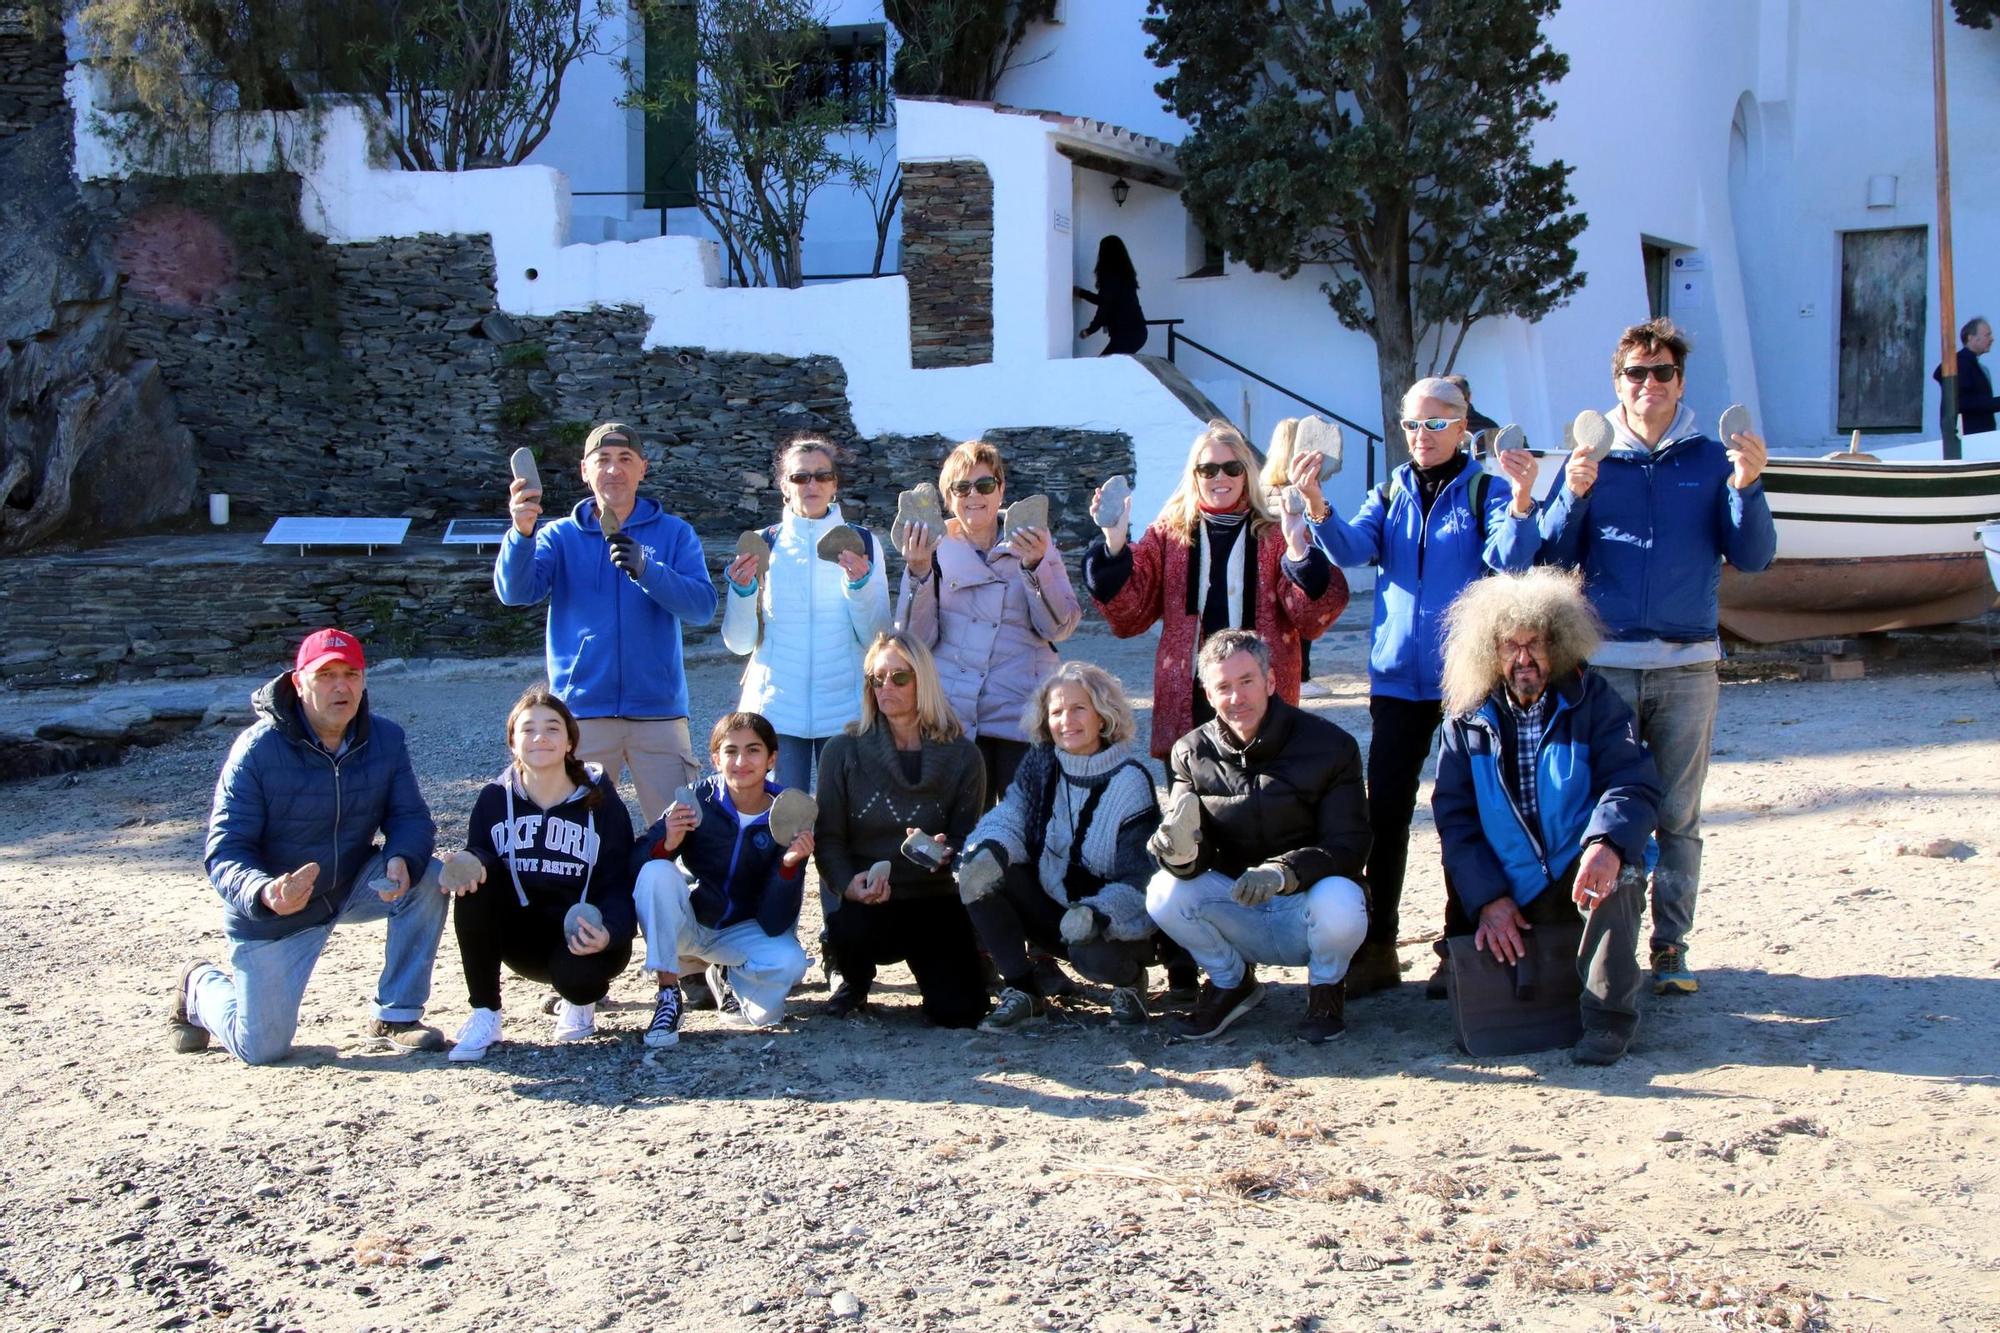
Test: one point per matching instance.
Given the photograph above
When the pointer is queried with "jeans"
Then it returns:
(798, 761)
(1318, 928)
(1019, 913)
(1398, 745)
(762, 968)
(1676, 711)
(656, 749)
(253, 1009)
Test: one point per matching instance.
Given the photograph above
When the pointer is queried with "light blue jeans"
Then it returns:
(762, 968)
(798, 760)
(255, 1011)
(1676, 708)
(1318, 929)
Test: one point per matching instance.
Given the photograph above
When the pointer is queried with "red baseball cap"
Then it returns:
(329, 645)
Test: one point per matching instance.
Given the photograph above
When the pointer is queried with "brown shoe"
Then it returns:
(405, 1036)
(1375, 967)
(1215, 1009)
(184, 1035)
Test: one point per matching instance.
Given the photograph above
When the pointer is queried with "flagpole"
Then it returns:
(1947, 315)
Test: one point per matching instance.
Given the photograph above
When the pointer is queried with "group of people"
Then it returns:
(980, 809)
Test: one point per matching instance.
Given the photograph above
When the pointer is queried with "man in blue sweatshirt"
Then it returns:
(1650, 529)
(620, 575)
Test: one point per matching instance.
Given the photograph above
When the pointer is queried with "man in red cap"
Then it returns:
(292, 851)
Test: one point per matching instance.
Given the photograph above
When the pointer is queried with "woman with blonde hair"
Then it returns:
(993, 611)
(1061, 861)
(903, 768)
(1216, 558)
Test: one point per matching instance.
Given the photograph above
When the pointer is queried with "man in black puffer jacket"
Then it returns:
(1262, 849)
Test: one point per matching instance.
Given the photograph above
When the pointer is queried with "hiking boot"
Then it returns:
(404, 1036)
(1599, 1046)
(1439, 986)
(575, 1022)
(665, 1029)
(1670, 971)
(1215, 1008)
(1374, 967)
(1128, 1008)
(480, 1030)
(848, 998)
(1183, 983)
(184, 1035)
(1050, 980)
(1325, 1015)
(695, 993)
(1017, 1009)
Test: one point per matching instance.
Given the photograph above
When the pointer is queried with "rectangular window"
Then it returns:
(670, 131)
(852, 69)
(1882, 312)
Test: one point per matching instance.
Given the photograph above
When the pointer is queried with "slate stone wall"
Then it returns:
(948, 262)
(31, 75)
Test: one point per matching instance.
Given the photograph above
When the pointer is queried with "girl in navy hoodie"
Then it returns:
(548, 834)
(717, 889)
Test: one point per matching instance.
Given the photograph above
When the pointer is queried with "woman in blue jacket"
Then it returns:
(1441, 521)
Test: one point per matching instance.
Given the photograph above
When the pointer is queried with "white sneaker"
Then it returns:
(575, 1022)
(479, 1031)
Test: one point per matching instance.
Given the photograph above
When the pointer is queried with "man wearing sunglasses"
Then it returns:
(1650, 529)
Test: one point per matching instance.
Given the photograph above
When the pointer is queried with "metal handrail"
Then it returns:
(1175, 336)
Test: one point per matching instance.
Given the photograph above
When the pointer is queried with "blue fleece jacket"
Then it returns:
(614, 645)
(1426, 561)
(283, 799)
(1653, 532)
(736, 872)
(1593, 780)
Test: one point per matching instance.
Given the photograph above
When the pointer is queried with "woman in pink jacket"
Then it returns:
(992, 612)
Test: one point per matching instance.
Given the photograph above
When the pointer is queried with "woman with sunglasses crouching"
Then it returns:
(1216, 558)
(804, 623)
(991, 611)
(1441, 521)
(904, 767)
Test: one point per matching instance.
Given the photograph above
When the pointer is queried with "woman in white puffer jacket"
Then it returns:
(806, 624)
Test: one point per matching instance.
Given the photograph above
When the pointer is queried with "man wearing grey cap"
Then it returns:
(620, 574)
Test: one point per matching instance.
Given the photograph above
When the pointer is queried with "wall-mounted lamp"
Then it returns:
(1120, 188)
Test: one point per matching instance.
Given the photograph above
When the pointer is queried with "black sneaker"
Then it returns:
(404, 1036)
(695, 993)
(185, 1036)
(1183, 984)
(1215, 1009)
(726, 1002)
(1439, 986)
(1325, 1014)
(1016, 1010)
(847, 999)
(1051, 982)
(1599, 1047)
(665, 1029)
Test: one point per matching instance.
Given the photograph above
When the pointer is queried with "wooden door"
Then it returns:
(1882, 311)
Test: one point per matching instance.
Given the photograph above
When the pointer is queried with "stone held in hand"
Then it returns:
(792, 813)
(1510, 436)
(574, 918)
(1591, 431)
(383, 885)
(461, 871)
(752, 543)
(1322, 437)
(609, 522)
(878, 873)
(522, 462)
(923, 504)
(1293, 500)
(1108, 508)
(1735, 421)
(1025, 514)
(684, 795)
(919, 847)
(840, 538)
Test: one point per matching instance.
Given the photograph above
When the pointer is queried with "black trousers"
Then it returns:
(932, 935)
(1020, 914)
(494, 929)
(1397, 749)
(1002, 758)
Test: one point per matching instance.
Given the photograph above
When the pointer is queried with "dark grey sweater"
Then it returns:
(866, 802)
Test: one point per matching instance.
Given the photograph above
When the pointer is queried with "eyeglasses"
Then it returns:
(899, 678)
(984, 485)
(1666, 374)
(1435, 425)
(1208, 471)
(825, 476)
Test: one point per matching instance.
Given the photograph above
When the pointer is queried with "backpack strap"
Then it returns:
(1478, 488)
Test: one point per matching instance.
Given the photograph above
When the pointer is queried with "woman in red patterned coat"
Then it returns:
(1216, 558)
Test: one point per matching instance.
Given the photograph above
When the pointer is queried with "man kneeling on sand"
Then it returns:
(291, 849)
(1544, 797)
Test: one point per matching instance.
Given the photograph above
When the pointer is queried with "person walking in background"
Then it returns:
(1216, 558)
(1116, 299)
(620, 575)
(991, 611)
(1650, 529)
(1442, 520)
(549, 833)
(1976, 404)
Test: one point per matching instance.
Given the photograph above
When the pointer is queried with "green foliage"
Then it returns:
(569, 435)
(524, 354)
(764, 124)
(522, 411)
(959, 48)
(1976, 13)
(1389, 141)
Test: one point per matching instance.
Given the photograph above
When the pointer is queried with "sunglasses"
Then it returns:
(825, 476)
(1435, 425)
(1666, 374)
(985, 486)
(1209, 471)
(899, 678)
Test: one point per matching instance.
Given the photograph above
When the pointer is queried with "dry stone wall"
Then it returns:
(948, 262)
(31, 75)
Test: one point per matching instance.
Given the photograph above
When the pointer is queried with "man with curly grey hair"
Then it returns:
(1545, 798)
